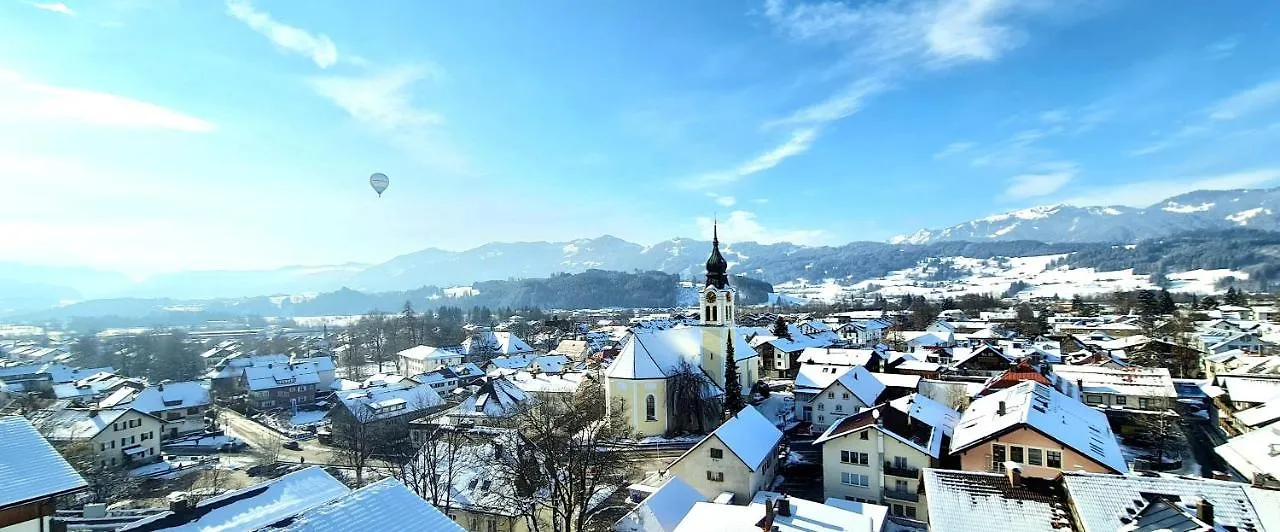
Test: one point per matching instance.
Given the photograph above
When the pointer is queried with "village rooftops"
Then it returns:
(1130, 380)
(968, 501)
(1105, 502)
(1254, 454)
(250, 508)
(838, 356)
(748, 435)
(662, 510)
(377, 403)
(775, 511)
(68, 424)
(656, 354)
(30, 468)
(386, 505)
(274, 375)
(1040, 408)
(915, 420)
(171, 396)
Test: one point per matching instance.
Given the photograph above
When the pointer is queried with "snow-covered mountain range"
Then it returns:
(1202, 209)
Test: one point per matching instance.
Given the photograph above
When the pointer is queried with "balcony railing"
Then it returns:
(905, 472)
(901, 495)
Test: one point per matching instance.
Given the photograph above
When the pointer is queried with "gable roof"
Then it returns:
(383, 505)
(69, 424)
(253, 507)
(1046, 411)
(377, 403)
(860, 382)
(655, 354)
(915, 420)
(30, 468)
(276, 375)
(838, 356)
(817, 376)
(663, 509)
(171, 396)
(1253, 453)
(965, 501)
(1102, 501)
(748, 435)
(501, 342)
(426, 352)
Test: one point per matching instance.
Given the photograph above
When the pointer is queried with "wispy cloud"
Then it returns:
(28, 101)
(953, 149)
(1180, 135)
(56, 7)
(840, 105)
(1224, 48)
(798, 142)
(1145, 193)
(1247, 102)
(744, 226)
(318, 48)
(723, 201)
(383, 102)
(1052, 178)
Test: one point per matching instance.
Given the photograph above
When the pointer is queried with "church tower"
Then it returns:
(717, 312)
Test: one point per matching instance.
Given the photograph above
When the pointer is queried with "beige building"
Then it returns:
(636, 381)
(117, 437)
(1130, 388)
(1038, 427)
(855, 389)
(739, 457)
(876, 455)
(424, 359)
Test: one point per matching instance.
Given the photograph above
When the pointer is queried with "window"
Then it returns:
(997, 457)
(715, 476)
(831, 395)
(897, 510)
(822, 406)
(911, 512)
(102, 446)
(1015, 453)
(854, 457)
(124, 441)
(854, 479)
(133, 439)
(822, 419)
(1092, 399)
(900, 462)
(900, 485)
(839, 407)
(1035, 456)
(717, 452)
(864, 435)
(650, 408)
(1121, 400)
(845, 395)
(1054, 459)
(1143, 402)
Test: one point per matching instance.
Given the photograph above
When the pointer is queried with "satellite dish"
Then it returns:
(379, 182)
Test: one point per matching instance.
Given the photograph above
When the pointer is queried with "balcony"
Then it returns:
(904, 472)
(909, 496)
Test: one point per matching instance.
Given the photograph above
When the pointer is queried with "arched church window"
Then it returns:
(650, 408)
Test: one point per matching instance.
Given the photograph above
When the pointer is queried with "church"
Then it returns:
(636, 382)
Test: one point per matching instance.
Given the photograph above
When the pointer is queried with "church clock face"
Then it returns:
(711, 297)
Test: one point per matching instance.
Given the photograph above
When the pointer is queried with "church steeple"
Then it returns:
(717, 267)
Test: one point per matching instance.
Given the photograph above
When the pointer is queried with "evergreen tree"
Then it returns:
(780, 329)
(87, 352)
(1147, 304)
(732, 387)
(1166, 303)
(1208, 303)
(1077, 304)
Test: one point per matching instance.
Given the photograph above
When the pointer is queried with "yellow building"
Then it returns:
(636, 381)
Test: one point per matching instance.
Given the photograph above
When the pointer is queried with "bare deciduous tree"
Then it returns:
(690, 402)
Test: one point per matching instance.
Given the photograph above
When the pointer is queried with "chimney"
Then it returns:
(783, 506)
(1204, 511)
(179, 504)
(93, 412)
(1013, 472)
(1000, 408)
(161, 386)
(765, 524)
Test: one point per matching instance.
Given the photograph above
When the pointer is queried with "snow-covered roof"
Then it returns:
(915, 420)
(662, 510)
(426, 352)
(898, 380)
(1045, 410)
(383, 505)
(862, 383)
(91, 386)
(233, 365)
(1260, 415)
(875, 512)
(814, 377)
(1250, 389)
(806, 516)
(928, 411)
(502, 343)
(274, 375)
(965, 501)
(748, 435)
(1253, 453)
(511, 362)
(69, 424)
(253, 507)
(838, 356)
(1102, 501)
(545, 382)
(376, 403)
(655, 354)
(62, 373)
(171, 396)
(1129, 380)
(30, 468)
(497, 397)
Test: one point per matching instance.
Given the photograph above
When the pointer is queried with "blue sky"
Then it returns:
(160, 135)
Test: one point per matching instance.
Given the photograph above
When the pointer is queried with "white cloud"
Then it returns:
(955, 148)
(838, 106)
(1224, 48)
(383, 102)
(799, 142)
(741, 226)
(1051, 179)
(56, 7)
(1055, 116)
(319, 48)
(1145, 193)
(1246, 102)
(29, 101)
(723, 201)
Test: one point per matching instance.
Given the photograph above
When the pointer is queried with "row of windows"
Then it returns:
(1024, 455)
(854, 479)
(832, 395)
(121, 425)
(125, 441)
(715, 476)
(1143, 402)
(854, 457)
(838, 408)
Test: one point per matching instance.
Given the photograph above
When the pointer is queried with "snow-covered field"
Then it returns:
(995, 276)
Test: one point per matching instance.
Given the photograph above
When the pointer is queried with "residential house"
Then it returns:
(837, 356)
(468, 373)
(1036, 426)
(863, 333)
(383, 410)
(985, 360)
(425, 359)
(95, 386)
(116, 437)
(918, 340)
(1106, 503)
(34, 476)
(182, 406)
(384, 505)
(226, 378)
(493, 402)
(576, 350)
(663, 509)
(853, 389)
(1244, 392)
(547, 385)
(810, 380)
(973, 501)
(279, 385)
(481, 346)
(1218, 341)
(1253, 456)
(782, 513)
(1016, 375)
(780, 356)
(739, 457)
(876, 455)
(1131, 389)
(442, 380)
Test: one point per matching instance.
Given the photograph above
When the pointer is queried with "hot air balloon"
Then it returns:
(379, 182)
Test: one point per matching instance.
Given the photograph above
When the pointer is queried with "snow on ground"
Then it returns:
(202, 441)
(779, 408)
(995, 276)
(307, 417)
(171, 467)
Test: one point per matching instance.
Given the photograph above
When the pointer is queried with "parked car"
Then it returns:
(293, 445)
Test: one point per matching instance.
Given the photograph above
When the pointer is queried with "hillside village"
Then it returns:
(897, 413)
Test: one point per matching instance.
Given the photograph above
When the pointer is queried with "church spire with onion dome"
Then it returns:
(717, 267)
